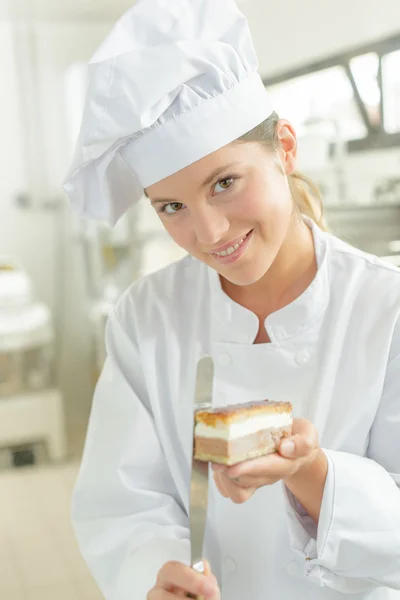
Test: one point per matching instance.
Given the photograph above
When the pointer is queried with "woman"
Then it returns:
(176, 110)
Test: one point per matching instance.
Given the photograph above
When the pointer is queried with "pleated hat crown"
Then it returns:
(174, 81)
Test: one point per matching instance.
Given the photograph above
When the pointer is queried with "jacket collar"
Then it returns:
(232, 323)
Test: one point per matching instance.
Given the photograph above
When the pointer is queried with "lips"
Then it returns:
(231, 244)
(235, 254)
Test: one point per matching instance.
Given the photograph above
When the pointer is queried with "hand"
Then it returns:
(176, 580)
(295, 453)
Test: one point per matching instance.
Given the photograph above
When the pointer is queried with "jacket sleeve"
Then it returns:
(356, 546)
(126, 513)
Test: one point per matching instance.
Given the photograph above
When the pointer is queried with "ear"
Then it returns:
(288, 145)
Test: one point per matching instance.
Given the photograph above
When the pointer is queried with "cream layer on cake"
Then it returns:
(236, 429)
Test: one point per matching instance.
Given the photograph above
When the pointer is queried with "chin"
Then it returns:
(246, 277)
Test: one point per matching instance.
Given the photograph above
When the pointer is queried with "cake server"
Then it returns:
(199, 477)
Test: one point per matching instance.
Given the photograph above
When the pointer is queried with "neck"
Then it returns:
(288, 277)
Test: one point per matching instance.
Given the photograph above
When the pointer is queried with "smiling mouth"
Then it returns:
(232, 249)
(234, 252)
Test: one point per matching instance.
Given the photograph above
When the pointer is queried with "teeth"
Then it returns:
(229, 250)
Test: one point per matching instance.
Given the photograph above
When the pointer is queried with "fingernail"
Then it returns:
(287, 447)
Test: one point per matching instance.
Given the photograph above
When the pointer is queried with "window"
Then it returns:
(391, 91)
(324, 95)
(356, 92)
(365, 70)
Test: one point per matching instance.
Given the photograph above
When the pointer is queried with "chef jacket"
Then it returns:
(334, 354)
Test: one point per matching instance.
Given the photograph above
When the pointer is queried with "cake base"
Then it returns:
(232, 452)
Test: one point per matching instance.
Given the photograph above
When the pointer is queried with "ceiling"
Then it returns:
(70, 10)
(285, 34)
(65, 10)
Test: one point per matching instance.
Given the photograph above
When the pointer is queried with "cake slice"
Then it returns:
(232, 434)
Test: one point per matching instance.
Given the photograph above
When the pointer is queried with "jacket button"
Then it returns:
(303, 357)
(230, 564)
(224, 359)
(293, 569)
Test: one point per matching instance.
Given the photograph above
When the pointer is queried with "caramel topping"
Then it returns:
(240, 412)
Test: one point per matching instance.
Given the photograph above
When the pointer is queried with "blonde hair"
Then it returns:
(306, 196)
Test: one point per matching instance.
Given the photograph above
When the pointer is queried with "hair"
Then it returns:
(306, 196)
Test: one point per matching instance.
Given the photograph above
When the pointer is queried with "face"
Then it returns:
(233, 208)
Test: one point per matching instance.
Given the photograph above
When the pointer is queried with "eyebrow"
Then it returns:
(206, 182)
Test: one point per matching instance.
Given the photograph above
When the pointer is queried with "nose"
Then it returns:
(210, 225)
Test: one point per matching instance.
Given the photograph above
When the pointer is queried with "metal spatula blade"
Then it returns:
(199, 477)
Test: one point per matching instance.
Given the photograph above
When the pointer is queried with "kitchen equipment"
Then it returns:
(31, 407)
(200, 470)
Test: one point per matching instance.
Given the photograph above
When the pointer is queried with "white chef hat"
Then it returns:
(174, 81)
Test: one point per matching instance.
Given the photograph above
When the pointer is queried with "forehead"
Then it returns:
(194, 175)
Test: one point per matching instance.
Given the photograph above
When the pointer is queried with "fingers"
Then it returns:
(232, 489)
(175, 578)
(240, 481)
(221, 485)
(160, 594)
(251, 472)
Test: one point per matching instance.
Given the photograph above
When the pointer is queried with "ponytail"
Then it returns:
(307, 198)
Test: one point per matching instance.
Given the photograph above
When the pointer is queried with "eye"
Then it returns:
(172, 208)
(225, 184)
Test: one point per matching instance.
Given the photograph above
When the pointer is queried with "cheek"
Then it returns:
(177, 228)
(251, 204)
(266, 200)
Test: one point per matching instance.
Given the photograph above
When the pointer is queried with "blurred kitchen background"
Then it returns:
(333, 69)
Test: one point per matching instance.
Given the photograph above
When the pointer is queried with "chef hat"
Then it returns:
(174, 81)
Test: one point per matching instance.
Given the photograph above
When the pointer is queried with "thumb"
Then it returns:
(297, 446)
(206, 567)
(303, 441)
(208, 572)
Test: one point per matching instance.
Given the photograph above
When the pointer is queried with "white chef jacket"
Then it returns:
(334, 353)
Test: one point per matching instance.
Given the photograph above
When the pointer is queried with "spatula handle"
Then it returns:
(201, 567)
